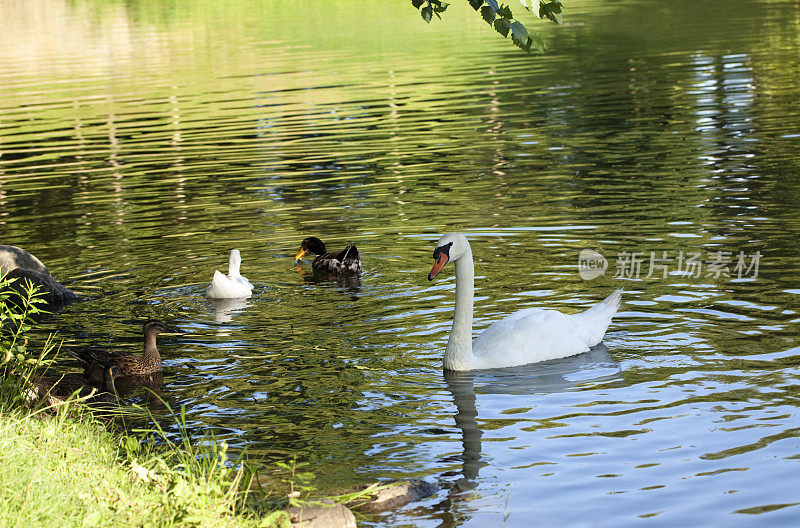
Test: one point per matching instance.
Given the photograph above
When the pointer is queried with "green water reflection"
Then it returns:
(141, 141)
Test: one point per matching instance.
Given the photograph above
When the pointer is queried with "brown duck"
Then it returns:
(146, 367)
(54, 391)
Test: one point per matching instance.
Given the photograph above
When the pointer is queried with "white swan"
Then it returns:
(526, 336)
(234, 285)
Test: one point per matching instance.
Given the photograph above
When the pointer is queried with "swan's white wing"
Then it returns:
(529, 336)
(224, 288)
(217, 288)
(532, 335)
(244, 282)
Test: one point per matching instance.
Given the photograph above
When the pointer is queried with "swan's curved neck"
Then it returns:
(233, 266)
(458, 355)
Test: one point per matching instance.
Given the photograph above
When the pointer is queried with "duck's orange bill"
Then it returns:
(300, 254)
(440, 262)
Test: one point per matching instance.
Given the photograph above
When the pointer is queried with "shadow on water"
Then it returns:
(559, 375)
(350, 284)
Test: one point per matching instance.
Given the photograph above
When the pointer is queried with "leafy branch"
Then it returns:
(431, 7)
(17, 310)
(501, 18)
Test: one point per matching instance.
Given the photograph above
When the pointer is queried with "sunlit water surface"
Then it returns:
(139, 144)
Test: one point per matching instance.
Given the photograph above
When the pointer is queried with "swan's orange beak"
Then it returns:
(437, 267)
(300, 254)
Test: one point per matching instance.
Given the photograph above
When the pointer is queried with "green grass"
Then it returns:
(67, 470)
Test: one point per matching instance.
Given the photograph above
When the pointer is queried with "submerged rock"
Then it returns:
(393, 497)
(16, 263)
(12, 257)
(326, 515)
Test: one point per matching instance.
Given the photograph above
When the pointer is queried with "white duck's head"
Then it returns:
(234, 263)
(451, 246)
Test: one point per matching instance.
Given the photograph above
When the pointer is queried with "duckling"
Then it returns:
(16, 263)
(56, 391)
(345, 261)
(234, 285)
(146, 367)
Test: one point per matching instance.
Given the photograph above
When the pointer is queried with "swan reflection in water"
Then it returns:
(559, 375)
(224, 309)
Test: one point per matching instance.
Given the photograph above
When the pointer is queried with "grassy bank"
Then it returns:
(59, 470)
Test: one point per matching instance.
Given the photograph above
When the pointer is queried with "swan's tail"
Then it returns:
(598, 317)
(606, 308)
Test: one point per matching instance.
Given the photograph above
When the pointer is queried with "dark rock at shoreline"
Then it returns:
(16, 263)
(325, 515)
(55, 293)
(393, 497)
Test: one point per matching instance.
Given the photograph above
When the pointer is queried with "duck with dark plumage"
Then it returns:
(346, 261)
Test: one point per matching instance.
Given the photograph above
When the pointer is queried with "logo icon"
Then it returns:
(591, 264)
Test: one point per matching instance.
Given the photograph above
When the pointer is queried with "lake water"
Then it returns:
(141, 141)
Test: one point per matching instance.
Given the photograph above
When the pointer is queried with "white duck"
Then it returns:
(234, 285)
(526, 336)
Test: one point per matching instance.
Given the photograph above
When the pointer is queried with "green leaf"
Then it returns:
(476, 4)
(488, 14)
(501, 26)
(505, 12)
(523, 45)
(417, 3)
(305, 476)
(519, 32)
(551, 11)
(427, 13)
(538, 42)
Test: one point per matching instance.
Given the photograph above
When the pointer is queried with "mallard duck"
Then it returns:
(527, 336)
(16, 263)
(126, 364)
(234, 285)
(55, 391)
(344, 261)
